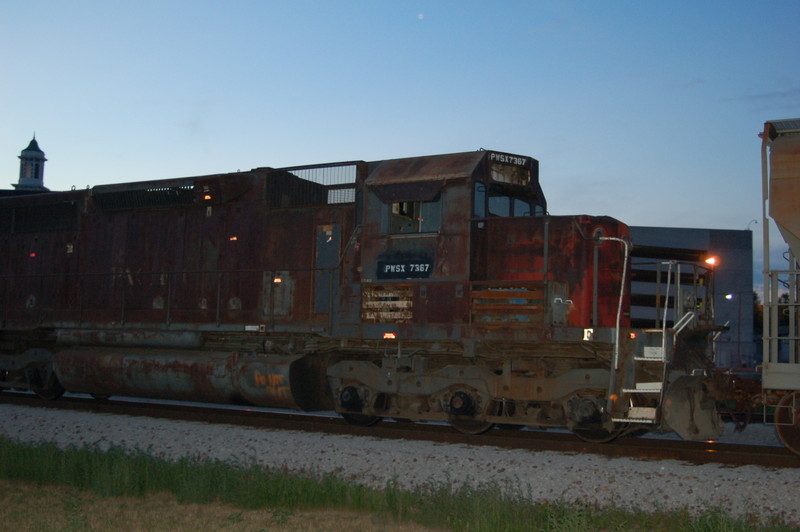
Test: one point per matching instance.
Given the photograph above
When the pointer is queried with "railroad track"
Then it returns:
(638, 448)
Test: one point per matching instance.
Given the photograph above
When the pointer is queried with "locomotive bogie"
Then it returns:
(406, 387)
(31, 370)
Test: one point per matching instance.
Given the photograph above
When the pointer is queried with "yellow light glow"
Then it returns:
(207, 197)
(234, 238)
(389, 336)
(277, 280)
(712, 261)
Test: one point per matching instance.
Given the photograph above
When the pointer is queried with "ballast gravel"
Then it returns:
(542, 476)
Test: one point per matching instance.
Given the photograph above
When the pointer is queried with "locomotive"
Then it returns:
(433, 288)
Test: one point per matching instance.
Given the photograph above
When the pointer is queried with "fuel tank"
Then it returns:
(278, 381)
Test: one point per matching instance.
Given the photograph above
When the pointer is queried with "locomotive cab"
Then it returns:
(418, 256)
(489, 310)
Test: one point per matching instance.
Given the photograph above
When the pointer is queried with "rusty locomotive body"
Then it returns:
(426, 288)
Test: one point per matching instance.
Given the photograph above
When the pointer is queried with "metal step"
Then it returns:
(639, 414)
(644, 387)
(632, 420)
(652, 353)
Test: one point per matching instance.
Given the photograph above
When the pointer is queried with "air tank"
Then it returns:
(280, 381)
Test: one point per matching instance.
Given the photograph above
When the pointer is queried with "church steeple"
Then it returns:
(31, 168)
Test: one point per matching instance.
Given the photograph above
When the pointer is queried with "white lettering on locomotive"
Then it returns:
(508, 159)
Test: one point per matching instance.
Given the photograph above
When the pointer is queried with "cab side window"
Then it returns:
(415, 217)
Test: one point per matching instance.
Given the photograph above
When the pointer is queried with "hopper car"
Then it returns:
(433, 288)
(780, 371)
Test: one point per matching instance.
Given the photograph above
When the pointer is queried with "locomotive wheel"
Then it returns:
(598, 435)
(469, 425)
(44, 383)
(787, 421)
(361, 420)
(51, 392)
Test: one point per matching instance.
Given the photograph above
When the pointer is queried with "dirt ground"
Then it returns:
(30, 507)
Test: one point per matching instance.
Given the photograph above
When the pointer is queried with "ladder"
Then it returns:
(651, 360)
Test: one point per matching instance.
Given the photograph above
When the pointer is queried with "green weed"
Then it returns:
(444, 506)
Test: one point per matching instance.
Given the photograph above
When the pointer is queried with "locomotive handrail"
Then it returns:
(615, 361)
(780, 337)
(724, 328)
(666, 303)
(683, 322)
(350, 241)
(689, 286)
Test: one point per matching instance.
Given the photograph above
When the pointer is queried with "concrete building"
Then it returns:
(733, 282)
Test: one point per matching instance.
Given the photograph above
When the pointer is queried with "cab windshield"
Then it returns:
(504, 201)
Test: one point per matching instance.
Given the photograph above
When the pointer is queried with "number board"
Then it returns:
(404, 269)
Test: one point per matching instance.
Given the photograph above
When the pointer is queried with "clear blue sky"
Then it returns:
(645, 111)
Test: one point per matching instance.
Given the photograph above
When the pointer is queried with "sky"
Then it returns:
(645, 111)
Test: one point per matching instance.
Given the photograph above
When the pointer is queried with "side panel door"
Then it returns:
(328, 243)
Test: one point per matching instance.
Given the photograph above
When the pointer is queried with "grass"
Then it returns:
(286, 501)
